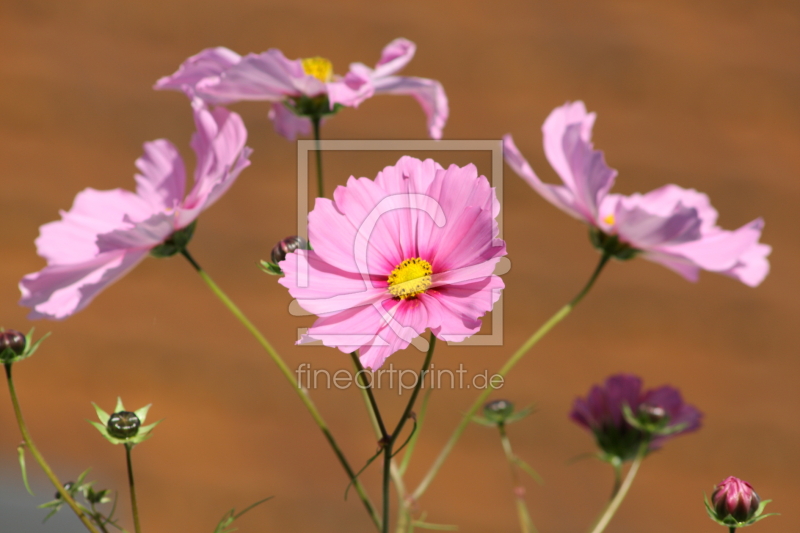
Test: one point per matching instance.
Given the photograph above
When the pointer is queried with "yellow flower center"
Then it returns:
(610, 219)
(319, 67)
(410, 278)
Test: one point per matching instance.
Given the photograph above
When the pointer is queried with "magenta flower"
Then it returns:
(302, 88)
(603, 413)
(672, 226)
(106, 233)
(414, 249)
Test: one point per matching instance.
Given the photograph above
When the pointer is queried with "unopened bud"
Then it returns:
(12, 340)
(498, 411)
(652, 414)
(123, 425)
(287, 246)
(736, 498)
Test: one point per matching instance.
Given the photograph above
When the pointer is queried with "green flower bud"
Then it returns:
(498, 411)
(123, 425)
(67, 487)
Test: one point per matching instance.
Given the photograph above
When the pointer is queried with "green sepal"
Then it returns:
(8, 356)
(120, 406)
(175, 243)
(142, 435)
(270, 268)
(730, 521)
(483, 421)
(102, 415)
(312, 106)
(21, 456)
(611, 245)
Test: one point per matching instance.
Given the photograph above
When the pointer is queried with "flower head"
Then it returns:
(672, 226)
(735, 504)
(414, 249)
(656, 414)
(302, 88)
(14, 346)
(122, 426)
(106, 233)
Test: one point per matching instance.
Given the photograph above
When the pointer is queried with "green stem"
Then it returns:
(301, 391)
(512, 361)
(134, 507)
(387, 450)
(315, 121)
(99, 519)
(732, 529)
(367, 391)
(615, 502)
(525, 522)
(40, 459)
(616, 463)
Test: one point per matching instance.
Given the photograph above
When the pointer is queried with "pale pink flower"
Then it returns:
(672, 226)
(106, 233)
(414, 249)
(221, 76)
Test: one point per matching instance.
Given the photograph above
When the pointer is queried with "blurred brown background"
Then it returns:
(702, 94)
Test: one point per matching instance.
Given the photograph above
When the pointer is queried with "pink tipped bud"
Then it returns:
(736, 498)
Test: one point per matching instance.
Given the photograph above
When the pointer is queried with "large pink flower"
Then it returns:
(672, 226)
(414, 249)
(106, 233)
(221, 76)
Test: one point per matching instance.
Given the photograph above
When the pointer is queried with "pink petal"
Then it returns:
(286, 123)
(58, 291)
(645, 230)
(394, 57)
(429, 93)
(722, 250)
(162, 181)
(752, 266)
(463, 305)
(208, 63)
(145, 234)
(73, 238)
(266, 76)
(221, 156)
(322, 289)
(555, 129)
(558, 195)
(355, 87)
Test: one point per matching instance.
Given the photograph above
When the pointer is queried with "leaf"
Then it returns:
(525, 467)
(21, 455)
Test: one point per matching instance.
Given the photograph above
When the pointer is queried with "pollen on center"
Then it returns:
(410, 278)
(610, 219)
(319, 67)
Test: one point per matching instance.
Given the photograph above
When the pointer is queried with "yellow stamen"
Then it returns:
(410, 278)
(610, 219)
(319, 67)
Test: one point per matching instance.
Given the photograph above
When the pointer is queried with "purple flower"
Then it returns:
(106, 233)
(301, 88)
(672, 226)
(603, 413)
(736, 498)
(415, 248)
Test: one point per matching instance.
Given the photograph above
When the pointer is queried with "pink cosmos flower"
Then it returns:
(414, 249)
(297, 88)
(602, 413)
(106, 233)
(672, 226)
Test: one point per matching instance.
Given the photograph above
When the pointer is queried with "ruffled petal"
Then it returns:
(208, 63)
(58, 291)
(429, 93)
(162, 181)
(463, 305)
(394, 57)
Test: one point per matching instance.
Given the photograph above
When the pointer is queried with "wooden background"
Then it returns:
(702, 94)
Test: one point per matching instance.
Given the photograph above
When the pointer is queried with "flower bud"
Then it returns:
(123, 425)
(12, 340)
(67, 487)
(498, 411)
(736, 498)
(286, 246)
(652, 414)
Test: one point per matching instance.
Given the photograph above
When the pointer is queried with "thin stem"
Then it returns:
(617, 465)
(423, 410)
(509, 364)
(525, 522)
(615, 502)
(732, 529)
(387, 450)
(316, 120)
(23, 429)
(302, 392)
(367, 390)
(99, 519)
(134, 507)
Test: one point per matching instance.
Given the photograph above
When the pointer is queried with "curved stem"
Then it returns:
(23, 429)
(301, 391)
(134, 507)
(506, 368)
(615, 502)
(525, 522)
(316, 120)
